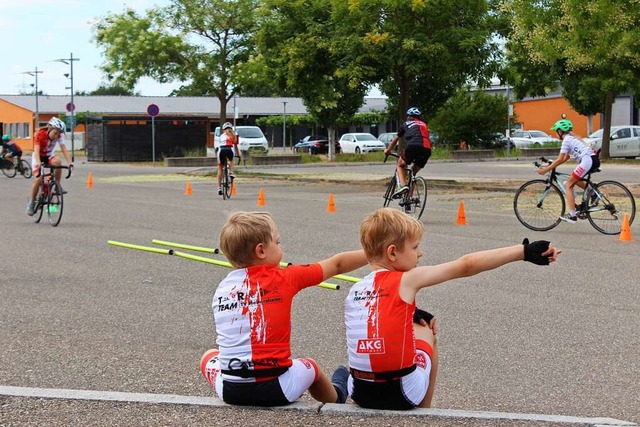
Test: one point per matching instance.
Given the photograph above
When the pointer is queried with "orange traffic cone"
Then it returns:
(331, 205)
(187, 190)
(261, 200)
(462, 219)
(90, 180)
(625, 231)
(233, 188)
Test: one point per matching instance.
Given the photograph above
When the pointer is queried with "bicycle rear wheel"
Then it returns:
(391, 188)
(416, 200)
(226, 183)
(55, 205)
(538, 205)
(7, 168)
(606, 212)
(25, 169)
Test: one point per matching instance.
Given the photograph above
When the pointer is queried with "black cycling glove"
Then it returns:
(533, 251)
(421, 314)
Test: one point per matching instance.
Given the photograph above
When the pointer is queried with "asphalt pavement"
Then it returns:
(79, 314)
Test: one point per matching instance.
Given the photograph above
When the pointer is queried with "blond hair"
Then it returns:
(386, 227)
(242, 232)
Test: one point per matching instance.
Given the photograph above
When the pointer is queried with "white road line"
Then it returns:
(337, 409)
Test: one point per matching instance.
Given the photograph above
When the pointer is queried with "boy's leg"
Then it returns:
(426, 335)
(210, 369)
(305, 375)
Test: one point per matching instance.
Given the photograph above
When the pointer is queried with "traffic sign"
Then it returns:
(153, 110)
(70, 107)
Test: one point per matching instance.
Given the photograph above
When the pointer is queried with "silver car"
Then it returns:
(624, 141)
(360, 143)
(531, 138)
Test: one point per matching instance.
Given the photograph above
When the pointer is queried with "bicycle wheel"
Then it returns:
(25, 169)
(606, 212)
(54, 205)
(8, 169)
(226, 183)
(39, 209)
(538, 205)
(391, 188)
(416, 199)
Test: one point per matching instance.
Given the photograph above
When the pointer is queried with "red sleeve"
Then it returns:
(304, 276)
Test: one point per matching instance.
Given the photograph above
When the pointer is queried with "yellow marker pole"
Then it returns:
(226, 264)
(141, 248)
(183, 246)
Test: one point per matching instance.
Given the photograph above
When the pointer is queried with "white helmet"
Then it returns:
(58, 124)
(227, 125)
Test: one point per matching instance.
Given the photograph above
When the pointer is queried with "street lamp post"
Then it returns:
(35, 74)
(284, 126)
(72, 107)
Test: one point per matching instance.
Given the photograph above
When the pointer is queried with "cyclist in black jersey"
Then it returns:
(417, 149)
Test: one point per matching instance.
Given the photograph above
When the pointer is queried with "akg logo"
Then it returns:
(371, 346)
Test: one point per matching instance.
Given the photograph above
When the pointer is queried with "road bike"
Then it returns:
(226, 181)
(10, 169)
(412, 201)
(50, 195)
(539, 203)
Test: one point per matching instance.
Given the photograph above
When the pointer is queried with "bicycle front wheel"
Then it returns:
(606, 212)
(8, 169)
(25, 169)
(416, 200)
(40, 203)
(54, 207)
(538, 205)
(391, 188)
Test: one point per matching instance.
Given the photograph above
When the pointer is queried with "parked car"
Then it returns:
(249, 138)
(624, 141)
(531, 138)
(322, 147)
(387, 137)
(360, 143)
(303, 145)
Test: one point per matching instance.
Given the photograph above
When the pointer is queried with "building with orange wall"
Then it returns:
(542, 113)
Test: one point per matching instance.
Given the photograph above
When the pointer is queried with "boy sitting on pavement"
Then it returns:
(252, 313)
(391, 344)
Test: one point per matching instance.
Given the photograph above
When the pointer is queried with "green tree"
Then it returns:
(587, 47)
(114, 90)
(203, 43)
(475, 117)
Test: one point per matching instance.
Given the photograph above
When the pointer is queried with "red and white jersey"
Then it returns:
(227, 141)
(252, 313)
(47, 145)
(379, 324)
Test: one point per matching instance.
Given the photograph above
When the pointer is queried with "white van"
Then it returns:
(250, 138)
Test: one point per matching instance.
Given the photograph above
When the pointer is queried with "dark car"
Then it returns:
(322, 147)
(303, 145)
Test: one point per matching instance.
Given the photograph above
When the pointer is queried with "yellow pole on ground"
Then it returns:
(141, 248)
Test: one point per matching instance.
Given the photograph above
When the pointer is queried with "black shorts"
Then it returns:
(380, 395)
(263, 393)
(224, 154)
(416, 154)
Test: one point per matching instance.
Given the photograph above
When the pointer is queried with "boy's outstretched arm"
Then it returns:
(539, 252)
(342, 263)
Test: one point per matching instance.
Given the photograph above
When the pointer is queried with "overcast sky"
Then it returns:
(37, 32)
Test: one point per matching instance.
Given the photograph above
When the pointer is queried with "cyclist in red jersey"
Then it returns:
(392, 353)
(252, 314)
(45, 141)
(417, 149)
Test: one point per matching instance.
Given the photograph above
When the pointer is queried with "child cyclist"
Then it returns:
(10, 150)
(44, 145)
(586, 157)
(228, 145)
(252, 314)
(392, 345)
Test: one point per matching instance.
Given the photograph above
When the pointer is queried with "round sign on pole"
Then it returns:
(153, 110)
(70, 107)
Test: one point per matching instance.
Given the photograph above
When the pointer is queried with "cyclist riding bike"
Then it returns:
(10, 150)
(228, 144)
(417, 150)
(43, 154)
(586, 157)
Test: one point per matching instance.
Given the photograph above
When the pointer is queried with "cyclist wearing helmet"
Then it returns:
(10, 150)
(586, 157)
(417, 149)
(45, 141)
(228, 144)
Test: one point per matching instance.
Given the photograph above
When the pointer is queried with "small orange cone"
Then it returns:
(261, 200)
(90, 180)
(331, 205)
(233, 188)
(462, 219)
(625, 231)
(187, 190)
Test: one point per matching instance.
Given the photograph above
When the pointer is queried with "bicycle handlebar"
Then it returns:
(54, 167)
(540, 161)
(386, 156)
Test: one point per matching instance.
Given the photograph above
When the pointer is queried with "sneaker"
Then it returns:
(399, 192)
(568, 218)
(31, 208)
(232, 176)
(219, 191)
(339, 380)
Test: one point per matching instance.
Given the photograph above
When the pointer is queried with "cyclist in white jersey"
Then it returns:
(585, 156)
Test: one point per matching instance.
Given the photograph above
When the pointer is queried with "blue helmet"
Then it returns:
(413, 111)
(6, 138)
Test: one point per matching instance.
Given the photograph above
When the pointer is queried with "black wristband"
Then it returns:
(533, 251)
(421, 314)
